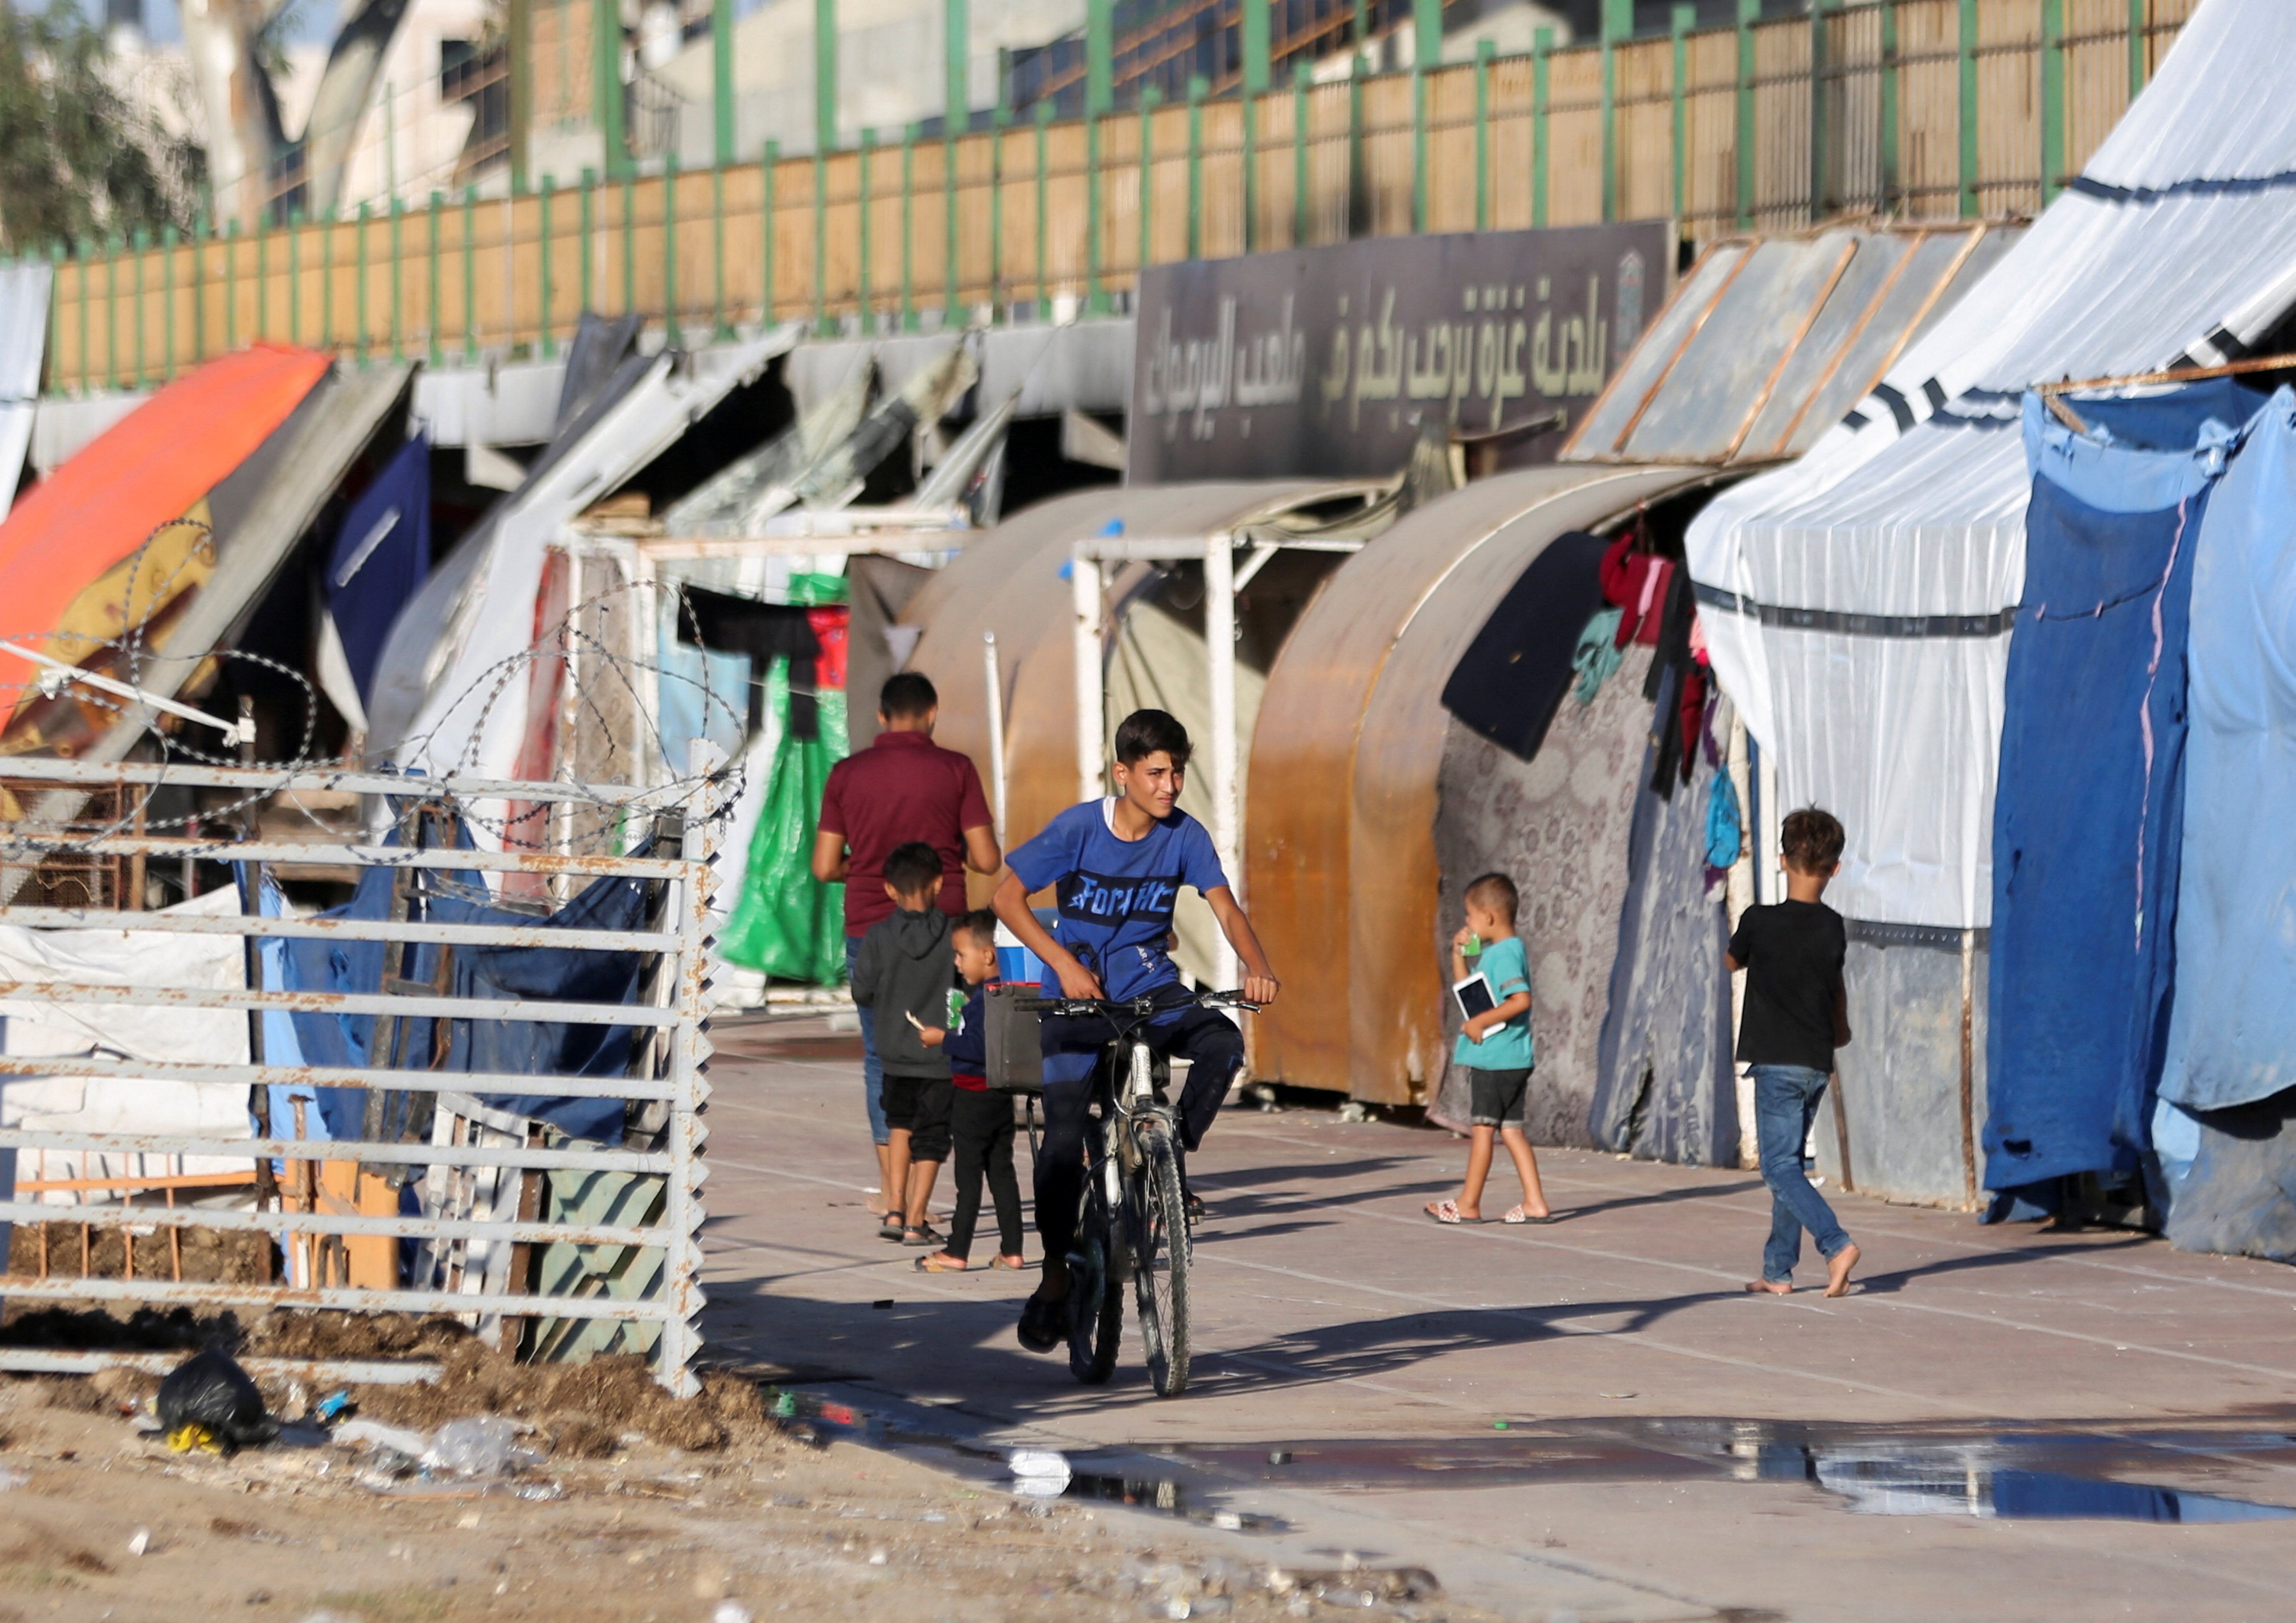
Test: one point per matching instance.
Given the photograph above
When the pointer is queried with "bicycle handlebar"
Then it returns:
(1134, 1006)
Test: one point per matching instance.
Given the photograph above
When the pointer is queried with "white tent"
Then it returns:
(1857, 603)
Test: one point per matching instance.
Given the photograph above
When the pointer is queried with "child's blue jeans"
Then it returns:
(1785, 1103)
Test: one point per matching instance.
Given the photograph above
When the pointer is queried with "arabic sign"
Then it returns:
(1327, 360)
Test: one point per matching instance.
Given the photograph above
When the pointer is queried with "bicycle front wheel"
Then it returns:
(1160, 1251)
(1096, 1322)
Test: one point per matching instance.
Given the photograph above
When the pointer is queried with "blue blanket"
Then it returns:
(2087, 829)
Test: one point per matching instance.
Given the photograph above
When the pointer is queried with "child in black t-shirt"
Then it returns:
(980, 1117)
(1796, 1014)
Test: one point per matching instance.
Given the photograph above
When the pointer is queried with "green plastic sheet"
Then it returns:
(788, 924)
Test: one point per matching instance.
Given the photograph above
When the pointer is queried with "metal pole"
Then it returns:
(1617, 24)
(670, 248)
(689, 1057)
(1302, 76)
(520, 52)
(1750, 13)
(2136, 51)
(1219, 638)
(995, 714)
(1684, 19)
(1484, 52)
(1250, 109)
(1968, 110)
(1542, 47)
(1100, 53)
(1254, 32)
(2053, 98)
(1084, 586)
(1820, 131)
(606, 84)
(1890, 186)
(1418, 150)
(825, 75)
(1198, 87)
(1426, 33)
(1148, 99)
(721, 65)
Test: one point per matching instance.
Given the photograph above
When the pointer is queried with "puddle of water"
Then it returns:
(1875, 1470)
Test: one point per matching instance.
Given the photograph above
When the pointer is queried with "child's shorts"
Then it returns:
(1496, 1096)
(918, 1107)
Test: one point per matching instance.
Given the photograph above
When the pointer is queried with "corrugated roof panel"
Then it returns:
(1613, 415)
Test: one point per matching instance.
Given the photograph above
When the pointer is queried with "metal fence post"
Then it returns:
(717, 322)
(1358, 179)
(769, 164)
(1484, 52)
(398, 282)
(1044, 201)
(1966, 113)
(143, 240)
(1418, 148)
(1148, 99)
(2053, 98)
(1891, 183)
(437, 353)
(869, 145)
(820, 242)
(1250, 109)
(1819, 176)
(908, 227)
(1612, 26)
(365, 330)
(1750, 13)
(546, 342)
(1542, 53)
(111, 313)
(1302, 219)
(689, 1065)
(471, 273)
(294, 241)
(587, 273)
(168, 240)
(2136, 51)
(670, 249)
(1198, 87)
(1684, 19)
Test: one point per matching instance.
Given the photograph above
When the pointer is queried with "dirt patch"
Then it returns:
(291, 1334)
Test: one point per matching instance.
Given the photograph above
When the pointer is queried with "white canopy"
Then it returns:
(1856, 600)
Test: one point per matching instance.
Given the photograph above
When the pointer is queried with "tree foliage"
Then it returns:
(79, 160)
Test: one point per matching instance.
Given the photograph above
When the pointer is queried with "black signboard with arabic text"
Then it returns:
(1328, 360)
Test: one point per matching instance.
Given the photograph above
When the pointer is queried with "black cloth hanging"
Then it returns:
(766, 631)
(1510, 680)
(1676, 684)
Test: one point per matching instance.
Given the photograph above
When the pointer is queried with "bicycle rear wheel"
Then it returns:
(1160, 1250)
(1096, 1314)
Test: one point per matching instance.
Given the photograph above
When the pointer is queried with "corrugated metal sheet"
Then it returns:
(1769, 340)
(24, 291)
(1342, 874)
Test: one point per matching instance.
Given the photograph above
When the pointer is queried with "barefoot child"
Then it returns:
(1496, 1048)
(1797, 1013)
(980, 1118)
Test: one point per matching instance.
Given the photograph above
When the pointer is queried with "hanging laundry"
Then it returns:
(1596, 658)
(1726, 827)
(1637, 583)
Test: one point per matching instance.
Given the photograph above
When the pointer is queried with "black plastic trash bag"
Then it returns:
(208, 1402)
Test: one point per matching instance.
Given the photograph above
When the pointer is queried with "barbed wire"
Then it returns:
(594, 677)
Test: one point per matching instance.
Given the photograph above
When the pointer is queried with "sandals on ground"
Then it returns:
(1447, 1213)
(1002, 1261)
(1520, 1216)
(939, 1262)
(924, 1235)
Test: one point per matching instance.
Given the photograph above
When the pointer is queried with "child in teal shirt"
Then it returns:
(1497, 1051)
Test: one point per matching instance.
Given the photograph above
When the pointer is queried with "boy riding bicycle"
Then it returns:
(1116, 867)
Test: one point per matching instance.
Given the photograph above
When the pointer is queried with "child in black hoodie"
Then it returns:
(905, 971)
(980, 1118)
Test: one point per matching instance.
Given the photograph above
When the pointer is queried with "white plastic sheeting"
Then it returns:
(1848, 596)
(24, 292)
(107, 1105)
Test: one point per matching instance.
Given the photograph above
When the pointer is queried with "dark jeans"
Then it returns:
(1785, 1103)
(873, 1072)
(981, 1126)
(1073, 1046)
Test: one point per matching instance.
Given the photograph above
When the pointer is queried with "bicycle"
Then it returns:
(1134, 1221)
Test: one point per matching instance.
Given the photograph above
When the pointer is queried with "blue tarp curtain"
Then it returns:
(535, 1047)
(381, 556)
(2087, 815)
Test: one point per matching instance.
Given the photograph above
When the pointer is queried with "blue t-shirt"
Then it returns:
(1114, 897)
(1507, 1047)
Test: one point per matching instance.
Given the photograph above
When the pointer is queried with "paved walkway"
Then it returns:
(1671, 1447)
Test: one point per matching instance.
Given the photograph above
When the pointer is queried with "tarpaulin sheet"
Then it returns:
(2232, 1040)
(788, 924)
(2087, 817)
(147, 469)
(549, 973)
(1663, 1089)
(382, 553)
